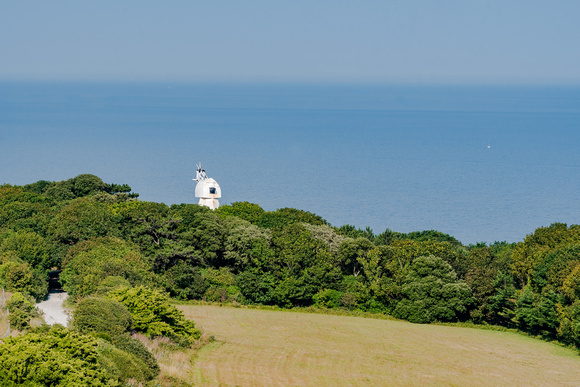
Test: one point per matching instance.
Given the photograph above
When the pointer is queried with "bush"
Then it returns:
(123, 365)
(110, 283)
(100, 315)
(328, 298)
(136, 348)
(154, 316)
(21, 311)
(52, 357)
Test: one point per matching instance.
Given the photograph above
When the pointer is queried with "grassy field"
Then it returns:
(274, 348)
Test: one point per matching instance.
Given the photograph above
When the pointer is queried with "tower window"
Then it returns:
(212, 190)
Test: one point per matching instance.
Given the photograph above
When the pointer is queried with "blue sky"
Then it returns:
(449, 41)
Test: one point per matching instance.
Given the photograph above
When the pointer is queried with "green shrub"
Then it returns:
(21, 311)
(154, 316)
(110, 283)
(121, 364)
(52, 357)
(100, 315)
(328, 298)
(136, 348)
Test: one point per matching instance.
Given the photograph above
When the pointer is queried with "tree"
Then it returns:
(286, 216)
(28, 246)
(244, 210)
(501, 303)
(532, 252)
(407, 250)
(154, 316)
(431, 292)
(185, 282)
(19, 276)
(569, 323)
(89, 263)
(23, 210)
(80, 220)
(350, 254)
(431, 235)
(245, 244)
(202, 230)
(536, 315)
(348, 230)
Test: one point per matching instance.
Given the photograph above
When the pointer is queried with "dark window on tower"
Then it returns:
(212, 190)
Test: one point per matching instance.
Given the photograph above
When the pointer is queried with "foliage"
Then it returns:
(185, 282)
(286, 216)
(348, 230)
(154, 316)
(90, 262)
(328, 298)
(109, 283)
(52, 357)
(249, 212)
(326, 234)
(81, 220)
(123, 365)
(202, 232)
(407, 250)
(431, 235)
(105, 240)
(136, 348)
(21, 311)
(536, 314)
(18, 276)
(100, 315)
(77, 187)
(532, 251)
(28, 246)
(245, 245)
(569, 323)
(23, 210)
(221, 285)
(431, 292)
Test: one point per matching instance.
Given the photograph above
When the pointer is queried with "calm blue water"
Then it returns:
(400, 157)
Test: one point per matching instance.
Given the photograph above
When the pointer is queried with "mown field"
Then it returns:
(279, 348)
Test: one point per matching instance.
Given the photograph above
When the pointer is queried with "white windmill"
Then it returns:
(207, 189)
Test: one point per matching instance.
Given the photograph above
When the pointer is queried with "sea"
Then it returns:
(481, 163)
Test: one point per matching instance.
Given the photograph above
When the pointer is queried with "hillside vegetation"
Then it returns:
(112, 246)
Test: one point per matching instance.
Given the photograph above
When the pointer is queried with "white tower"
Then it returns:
(207, 189)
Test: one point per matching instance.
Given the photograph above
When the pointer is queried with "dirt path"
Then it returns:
(54, 312)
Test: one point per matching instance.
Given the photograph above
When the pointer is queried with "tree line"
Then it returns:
(103, 237)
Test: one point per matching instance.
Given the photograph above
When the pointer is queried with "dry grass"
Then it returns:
(272, 348)
(176, 364)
